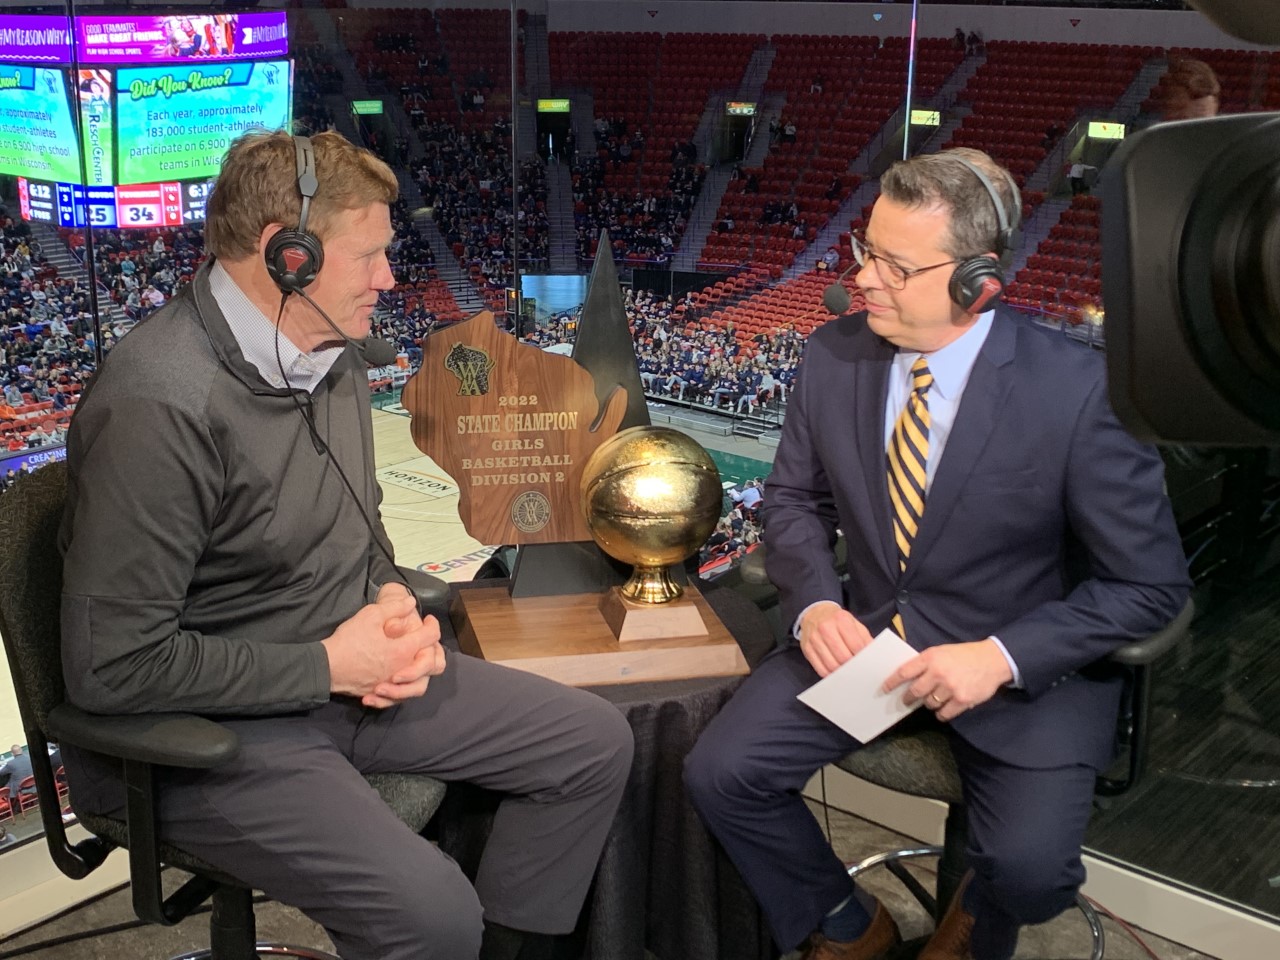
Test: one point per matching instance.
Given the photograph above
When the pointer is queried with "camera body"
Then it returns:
(1191, 281)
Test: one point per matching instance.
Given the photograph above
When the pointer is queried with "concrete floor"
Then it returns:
(1063, 939)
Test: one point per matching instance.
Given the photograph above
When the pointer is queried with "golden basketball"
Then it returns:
(651, 496)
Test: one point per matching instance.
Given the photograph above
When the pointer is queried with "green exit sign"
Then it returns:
(366, 108)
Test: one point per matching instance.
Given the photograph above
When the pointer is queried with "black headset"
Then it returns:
(294, 257)
(977, 283)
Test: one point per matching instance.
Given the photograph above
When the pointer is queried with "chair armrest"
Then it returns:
(169, 739)
(430, 591)
(752, 567)
(1151, 648)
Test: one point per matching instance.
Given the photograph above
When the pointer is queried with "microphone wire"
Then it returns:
(321, 446)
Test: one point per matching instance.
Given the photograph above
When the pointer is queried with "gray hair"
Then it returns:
(941, 179)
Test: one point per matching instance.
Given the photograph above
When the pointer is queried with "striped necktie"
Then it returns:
(908, 459)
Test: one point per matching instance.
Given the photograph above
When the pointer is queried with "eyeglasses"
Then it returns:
(894, 275)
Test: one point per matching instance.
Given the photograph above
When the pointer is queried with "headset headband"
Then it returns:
(1007, 239)
(307, 182)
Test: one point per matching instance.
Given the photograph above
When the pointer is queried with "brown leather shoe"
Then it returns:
(872, 945)
(950, 941)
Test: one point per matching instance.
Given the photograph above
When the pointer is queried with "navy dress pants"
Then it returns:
(745, 777)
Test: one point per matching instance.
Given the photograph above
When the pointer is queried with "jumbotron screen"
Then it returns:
(160, 100)
(37, 135)
(176, 123)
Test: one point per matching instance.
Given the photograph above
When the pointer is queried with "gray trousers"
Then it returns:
(293, 817)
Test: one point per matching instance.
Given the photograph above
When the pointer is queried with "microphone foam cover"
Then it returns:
(377, 353)
(836, 299)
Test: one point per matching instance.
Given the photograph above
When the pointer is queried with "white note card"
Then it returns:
(850, 696)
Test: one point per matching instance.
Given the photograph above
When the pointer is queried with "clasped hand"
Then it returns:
(385, 653)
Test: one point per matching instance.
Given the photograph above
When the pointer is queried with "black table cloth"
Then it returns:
(664, 888)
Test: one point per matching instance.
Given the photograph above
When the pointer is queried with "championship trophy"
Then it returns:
(532, 440)
(651, 496)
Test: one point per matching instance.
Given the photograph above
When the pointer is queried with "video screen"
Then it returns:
(37, 135)
(176, 122)
(150, 39)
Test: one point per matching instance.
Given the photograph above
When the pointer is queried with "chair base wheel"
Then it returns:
(268, 951)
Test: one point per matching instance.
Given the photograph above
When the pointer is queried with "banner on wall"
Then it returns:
(219, 36)
(34, 39)
(32, 459)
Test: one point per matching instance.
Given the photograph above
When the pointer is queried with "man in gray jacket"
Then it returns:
(218, 562)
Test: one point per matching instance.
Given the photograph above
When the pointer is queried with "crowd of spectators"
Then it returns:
(644, 226)
(46, 347)
(141, 269)
(737, 532)
(402, 317)
(315, 77)
(685, 362)
(465, 178)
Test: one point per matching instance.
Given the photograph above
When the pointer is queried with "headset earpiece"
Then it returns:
(977, 283)
(294, 257)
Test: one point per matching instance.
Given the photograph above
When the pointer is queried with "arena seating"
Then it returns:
(1064, 276)
(1025, 88)
(839, 93)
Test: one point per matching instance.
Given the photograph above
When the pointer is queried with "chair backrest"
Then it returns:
(30, 623)
(31, 595)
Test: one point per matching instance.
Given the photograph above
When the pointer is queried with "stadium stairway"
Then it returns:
(1036, 229)
(537, 57)
(753, 78)
(353, 85)
(749, 90)
(1049, 175)
(702, 217)
(766, 420)
(582, 118)
(459, 284)
(560, 225)
(68, 264)
(945, 101)
(829, 236)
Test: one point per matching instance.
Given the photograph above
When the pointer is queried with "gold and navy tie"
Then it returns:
(908, 459)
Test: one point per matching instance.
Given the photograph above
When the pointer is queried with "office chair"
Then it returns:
(30, 598)
(920, 763)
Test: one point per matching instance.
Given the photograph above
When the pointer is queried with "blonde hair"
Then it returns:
(258, 186)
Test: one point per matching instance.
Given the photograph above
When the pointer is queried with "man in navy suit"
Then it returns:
(1042, 542)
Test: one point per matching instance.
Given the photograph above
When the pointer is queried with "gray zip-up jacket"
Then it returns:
(209, 544)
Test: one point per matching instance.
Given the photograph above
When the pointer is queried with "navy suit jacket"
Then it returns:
(1046, 525)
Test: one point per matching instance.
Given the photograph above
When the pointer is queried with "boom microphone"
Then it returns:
(374, 350)
(836, 298)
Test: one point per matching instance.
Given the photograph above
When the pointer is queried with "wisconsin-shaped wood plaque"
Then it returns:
(513, 425)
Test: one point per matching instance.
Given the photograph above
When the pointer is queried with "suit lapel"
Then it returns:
(871, 391)
(984, 398)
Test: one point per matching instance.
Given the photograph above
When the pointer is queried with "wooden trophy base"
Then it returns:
(568, 639)
(631, 621)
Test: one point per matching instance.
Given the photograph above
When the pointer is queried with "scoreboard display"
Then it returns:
(159, 98)
(138, 205)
